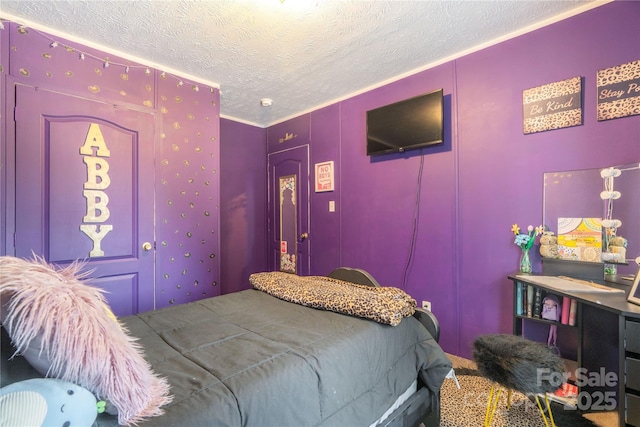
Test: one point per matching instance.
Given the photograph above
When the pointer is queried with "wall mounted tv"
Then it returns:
(406, 125)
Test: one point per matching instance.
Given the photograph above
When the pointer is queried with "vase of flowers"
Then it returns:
(525, 242)
(525, 262)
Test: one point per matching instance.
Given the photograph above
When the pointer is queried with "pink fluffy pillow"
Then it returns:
(66, 330)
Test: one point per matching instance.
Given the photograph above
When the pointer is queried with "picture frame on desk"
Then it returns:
(634, 293)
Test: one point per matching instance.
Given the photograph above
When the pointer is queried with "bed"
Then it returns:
(251, 359)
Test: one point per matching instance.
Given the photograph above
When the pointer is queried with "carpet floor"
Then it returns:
(466, 406)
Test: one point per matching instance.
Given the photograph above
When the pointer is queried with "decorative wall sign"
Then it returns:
(288, 136)
(619, 91)
(552, 106)
(580, 239)
(324, 177)
(98, 180)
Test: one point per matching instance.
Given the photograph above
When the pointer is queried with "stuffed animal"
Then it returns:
(549, 245)
(548, 238)
(47, 402)
(617, 250)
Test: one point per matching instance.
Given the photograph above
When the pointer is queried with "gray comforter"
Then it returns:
(249, 359)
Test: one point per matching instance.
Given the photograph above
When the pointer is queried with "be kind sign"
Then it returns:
(619, 91)
(552, 106)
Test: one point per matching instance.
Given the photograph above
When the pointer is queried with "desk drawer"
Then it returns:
(633, 373)
(633, 410)
(632, 335)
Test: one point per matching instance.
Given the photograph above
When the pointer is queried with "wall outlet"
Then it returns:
(426, 305)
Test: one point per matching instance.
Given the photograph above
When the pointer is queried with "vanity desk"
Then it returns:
(601, 346)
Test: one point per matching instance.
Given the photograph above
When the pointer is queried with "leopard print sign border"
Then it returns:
(552, 106)
(619, 91)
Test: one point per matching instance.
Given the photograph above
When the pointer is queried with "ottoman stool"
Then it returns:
(519, 364)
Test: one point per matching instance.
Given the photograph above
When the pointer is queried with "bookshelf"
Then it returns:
(600, 346)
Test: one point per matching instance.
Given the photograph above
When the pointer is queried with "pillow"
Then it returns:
(47, 402)
(65, 329)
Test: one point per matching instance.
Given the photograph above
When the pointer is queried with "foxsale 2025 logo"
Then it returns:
(594, 400)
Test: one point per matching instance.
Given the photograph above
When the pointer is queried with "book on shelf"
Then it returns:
(537, 303)
(530, 302)
(566, 306)
(573, 308)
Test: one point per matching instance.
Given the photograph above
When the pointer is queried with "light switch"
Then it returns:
(332, 206)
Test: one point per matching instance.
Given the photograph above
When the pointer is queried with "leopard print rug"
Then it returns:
(465, 407)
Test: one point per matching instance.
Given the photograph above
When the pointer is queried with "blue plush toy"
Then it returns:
(47, 402)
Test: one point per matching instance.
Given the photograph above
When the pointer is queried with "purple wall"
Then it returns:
(380, 195)
(501, 170)
(486, 177)
(324, 234)
(243, 203)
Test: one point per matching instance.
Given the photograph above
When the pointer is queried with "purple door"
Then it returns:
(84, 190)
(289, 210)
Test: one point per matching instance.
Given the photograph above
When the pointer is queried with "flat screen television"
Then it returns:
(406, 125)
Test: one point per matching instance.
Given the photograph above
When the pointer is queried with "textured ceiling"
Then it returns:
(300, 53)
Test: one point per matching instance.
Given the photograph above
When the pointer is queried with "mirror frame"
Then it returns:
(634, 293)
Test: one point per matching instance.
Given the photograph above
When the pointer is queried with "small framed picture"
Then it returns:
(634, 294)
(324, 177)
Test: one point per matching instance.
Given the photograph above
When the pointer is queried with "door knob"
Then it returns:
(304, 236)
(147, 246)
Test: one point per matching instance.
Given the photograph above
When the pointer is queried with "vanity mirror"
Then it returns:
(607, 197)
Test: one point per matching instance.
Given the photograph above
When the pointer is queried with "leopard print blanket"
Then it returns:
(386, 305)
